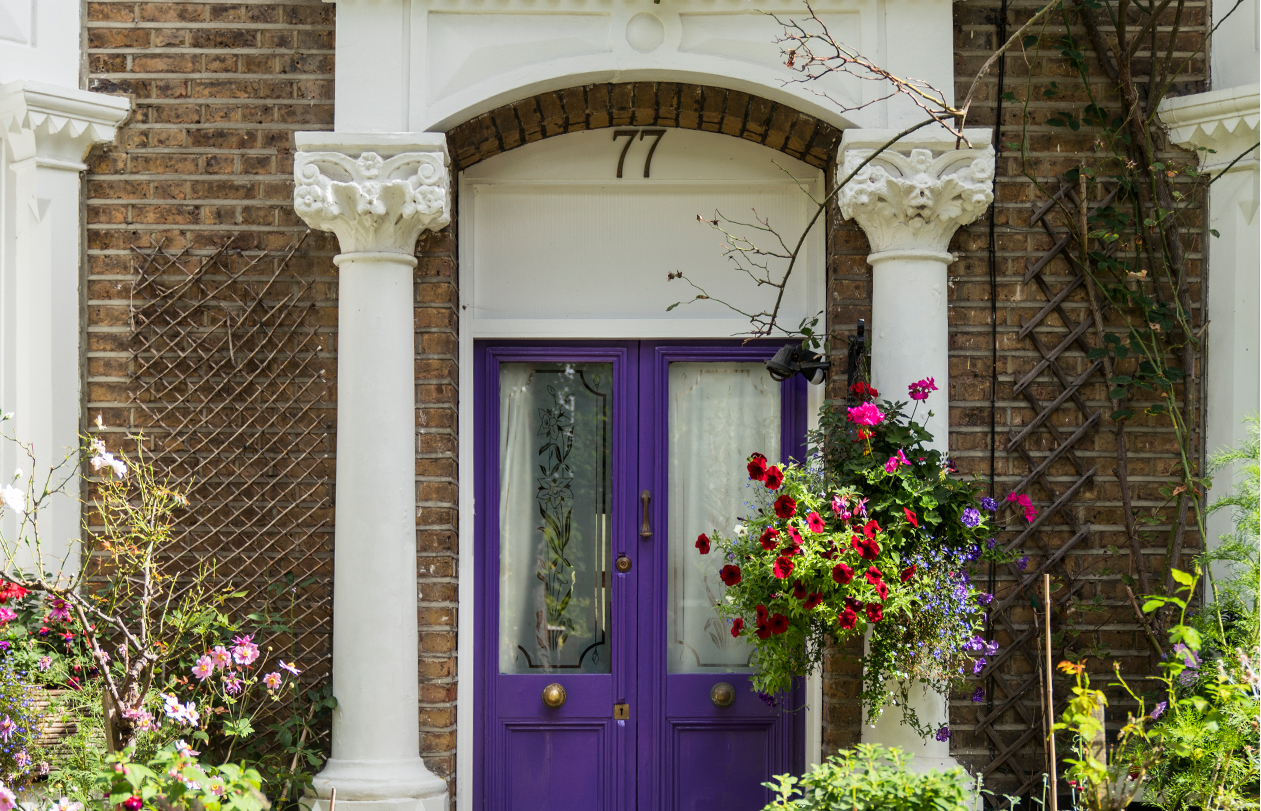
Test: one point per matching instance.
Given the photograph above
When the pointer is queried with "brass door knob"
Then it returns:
(622, 564)
(722, 694)
(554, 695)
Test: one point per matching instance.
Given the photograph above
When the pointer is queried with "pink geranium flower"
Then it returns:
(866, 414)
(1031, 512)
(920, 388)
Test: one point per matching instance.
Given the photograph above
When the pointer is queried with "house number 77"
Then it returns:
(630, 139)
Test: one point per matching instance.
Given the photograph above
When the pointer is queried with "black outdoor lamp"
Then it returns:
(793, 359)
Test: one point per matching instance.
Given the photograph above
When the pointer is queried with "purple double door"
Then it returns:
(605, 678)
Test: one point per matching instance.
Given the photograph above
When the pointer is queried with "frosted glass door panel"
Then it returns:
(720, 413)
(555, 489)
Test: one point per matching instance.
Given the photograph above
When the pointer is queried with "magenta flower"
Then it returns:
(7, 728)
(292, 669)
(920, 388)
(45, 662)
(7, 615)
(891, 465)
(232, 685)
(59, 611)
(902, 458)
(866, 414)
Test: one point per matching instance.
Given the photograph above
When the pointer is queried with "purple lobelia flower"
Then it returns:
(989, 504)
(971, 517)
(978, 695)
(943, 734)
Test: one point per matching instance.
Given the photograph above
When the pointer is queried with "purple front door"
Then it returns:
(602, 668)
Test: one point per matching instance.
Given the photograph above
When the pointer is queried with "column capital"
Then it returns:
(913, 196)
(377, 192)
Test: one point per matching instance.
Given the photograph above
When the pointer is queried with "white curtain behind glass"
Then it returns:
(517, 555)
(719, 414)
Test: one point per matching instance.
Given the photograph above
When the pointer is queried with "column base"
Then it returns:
(380, 785)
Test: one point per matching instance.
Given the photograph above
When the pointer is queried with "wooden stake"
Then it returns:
(1050, 702)
(332, 800)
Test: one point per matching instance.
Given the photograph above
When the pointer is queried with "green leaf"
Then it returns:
(1029, 41)
(1119, 393)
(672, 306)
(1214, 232)
(1182, 577)
(1152, 604)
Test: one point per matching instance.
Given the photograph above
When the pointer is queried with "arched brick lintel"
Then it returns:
(644, 104)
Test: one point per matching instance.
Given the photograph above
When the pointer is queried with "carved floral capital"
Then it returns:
(373, 203)
(915, 201)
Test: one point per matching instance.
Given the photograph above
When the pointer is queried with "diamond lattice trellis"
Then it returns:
(229, 379)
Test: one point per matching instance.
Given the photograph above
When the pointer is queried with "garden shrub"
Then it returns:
(871, 778)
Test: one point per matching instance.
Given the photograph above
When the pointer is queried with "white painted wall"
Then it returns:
(647, 228)
(431, 64)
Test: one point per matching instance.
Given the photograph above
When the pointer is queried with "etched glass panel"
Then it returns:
(720, 413)
(555, 488)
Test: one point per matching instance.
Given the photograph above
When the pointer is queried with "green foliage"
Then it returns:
(174, 779)
(871, 778)
(20, 720)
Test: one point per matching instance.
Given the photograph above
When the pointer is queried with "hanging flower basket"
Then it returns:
(873, 535)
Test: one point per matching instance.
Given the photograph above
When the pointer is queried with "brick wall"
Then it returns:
(207, 157)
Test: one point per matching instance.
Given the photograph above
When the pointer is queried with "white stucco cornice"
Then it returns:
(1225, 121)
(57, 124)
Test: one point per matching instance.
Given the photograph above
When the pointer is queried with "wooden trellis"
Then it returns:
(1011, 724)
(227, 373)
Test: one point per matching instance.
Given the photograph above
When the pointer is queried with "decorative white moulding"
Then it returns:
(376, 192)
(918, 192)
(1224, 121)
(60, 123)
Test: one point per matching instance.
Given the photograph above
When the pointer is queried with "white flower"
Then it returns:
(65, 804)
(119, 467)
(100, 423)
(12, 497)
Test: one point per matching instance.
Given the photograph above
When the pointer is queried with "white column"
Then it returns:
(48, 130)
(1226, 122)
(377, 193)
(910, 200)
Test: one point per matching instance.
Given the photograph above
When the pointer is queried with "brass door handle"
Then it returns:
(722, 694)
(645, 529)
(554, 695)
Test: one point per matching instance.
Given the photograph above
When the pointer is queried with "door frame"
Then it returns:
(649, 324)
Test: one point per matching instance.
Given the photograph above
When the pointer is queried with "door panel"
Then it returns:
(720, 766)
(559, 766)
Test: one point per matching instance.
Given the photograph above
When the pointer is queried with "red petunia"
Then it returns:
(763, 631)
(867, 548)
(702, 543)
(842, 574)
(874, 612)
(910, 516)
(908, 572)
(815, 522)
(861, 389)
(883, 590)
(799, 590)
(757, 467)
(774, 478)
(873, 575)
(778, 623)
(737, 625)
(813, 601)
(730, 575)
(785, 507)
(783, 567)
(870, 529)
(847, 618)
(768, 538)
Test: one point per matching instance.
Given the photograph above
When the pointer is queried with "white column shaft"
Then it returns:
(374, 597)
(910, 334)
(48, 344)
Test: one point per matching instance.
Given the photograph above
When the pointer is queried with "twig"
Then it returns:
(1147, 628)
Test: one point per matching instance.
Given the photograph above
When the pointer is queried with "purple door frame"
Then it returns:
(640, 763)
